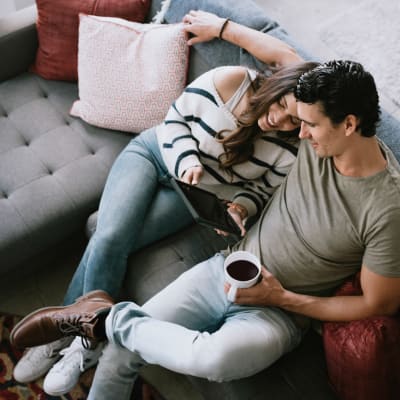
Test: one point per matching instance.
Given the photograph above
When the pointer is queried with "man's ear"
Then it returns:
(350, 124)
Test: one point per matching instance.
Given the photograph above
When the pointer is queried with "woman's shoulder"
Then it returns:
(231, 71)
(228, 79)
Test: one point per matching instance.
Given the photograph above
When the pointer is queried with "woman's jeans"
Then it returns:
(190, 327)
(137, 208)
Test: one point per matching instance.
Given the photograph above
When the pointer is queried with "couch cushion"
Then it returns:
(57, 27)
(53, 166)
(18, 42)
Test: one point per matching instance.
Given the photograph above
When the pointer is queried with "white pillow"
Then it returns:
(128, 73)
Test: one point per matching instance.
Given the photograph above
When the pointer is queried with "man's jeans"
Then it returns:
(190, 327)
(137, 208)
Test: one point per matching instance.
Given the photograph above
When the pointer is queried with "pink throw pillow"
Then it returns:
(129, 73)
(57, 27)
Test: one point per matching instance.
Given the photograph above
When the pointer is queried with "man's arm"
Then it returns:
(207, 26)
(381, 296)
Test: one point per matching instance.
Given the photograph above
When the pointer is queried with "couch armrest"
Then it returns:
(18, 42)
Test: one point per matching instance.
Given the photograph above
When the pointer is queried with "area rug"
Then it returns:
(370, 34)
(12, 390)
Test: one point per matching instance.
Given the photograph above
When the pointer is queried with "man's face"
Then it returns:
(327, 139)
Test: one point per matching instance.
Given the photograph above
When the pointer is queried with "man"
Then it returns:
(338, 212)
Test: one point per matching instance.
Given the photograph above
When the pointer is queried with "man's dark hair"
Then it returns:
(342, 88)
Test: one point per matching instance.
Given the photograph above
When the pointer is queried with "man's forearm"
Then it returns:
(337, 308)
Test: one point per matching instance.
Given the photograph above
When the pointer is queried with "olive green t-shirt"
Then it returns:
(320, 226)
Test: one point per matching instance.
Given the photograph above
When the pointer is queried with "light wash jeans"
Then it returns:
(137, 208)
(190, 327)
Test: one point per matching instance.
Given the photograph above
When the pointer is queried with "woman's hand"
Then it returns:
(204, 25)
(193, 175)
(268, 292)
(238, 214)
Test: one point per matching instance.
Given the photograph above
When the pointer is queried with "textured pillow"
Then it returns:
(57, 26)
(363, 357)
(129, 73)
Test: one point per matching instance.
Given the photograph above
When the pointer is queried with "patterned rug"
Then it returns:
(12, 390)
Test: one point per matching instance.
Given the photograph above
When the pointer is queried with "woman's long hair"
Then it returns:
(239, 143)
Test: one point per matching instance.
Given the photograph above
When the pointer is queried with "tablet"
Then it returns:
(205, 207)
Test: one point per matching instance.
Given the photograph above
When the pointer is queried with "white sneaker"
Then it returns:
(38, 360)
(65, 374)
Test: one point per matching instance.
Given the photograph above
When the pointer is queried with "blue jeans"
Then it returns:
(137, 208)
(190, 327)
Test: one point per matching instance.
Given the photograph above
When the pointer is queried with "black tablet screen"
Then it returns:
(206, 207)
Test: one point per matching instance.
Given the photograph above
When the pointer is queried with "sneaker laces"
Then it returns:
(71, 357)
(74, 355)
(50, 351)
(86, 344)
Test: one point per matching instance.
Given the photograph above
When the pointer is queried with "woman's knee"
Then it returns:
(106, 240)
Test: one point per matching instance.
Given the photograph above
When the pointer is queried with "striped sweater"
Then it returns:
(187, 138)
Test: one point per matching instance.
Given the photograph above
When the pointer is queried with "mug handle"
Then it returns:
(232, 293)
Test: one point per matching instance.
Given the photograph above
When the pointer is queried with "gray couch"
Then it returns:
(53, 168)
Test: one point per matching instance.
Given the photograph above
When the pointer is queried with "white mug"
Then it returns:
(242, 270)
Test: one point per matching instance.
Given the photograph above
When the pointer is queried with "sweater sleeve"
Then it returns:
(179, 148)
(252, 200)
(255, 193)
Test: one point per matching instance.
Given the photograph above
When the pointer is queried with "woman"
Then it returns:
(225, 133)
(221, 133)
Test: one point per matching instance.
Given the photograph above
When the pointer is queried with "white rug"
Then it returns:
(370, 34)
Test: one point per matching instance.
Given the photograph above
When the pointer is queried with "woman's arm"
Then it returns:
(178, 147)
(207, 26)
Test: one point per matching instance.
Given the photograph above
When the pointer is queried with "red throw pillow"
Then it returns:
(363, 357)
(58, 26)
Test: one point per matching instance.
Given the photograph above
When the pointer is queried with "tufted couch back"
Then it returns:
(52, 166)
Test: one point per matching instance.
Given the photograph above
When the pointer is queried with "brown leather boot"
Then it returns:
(83, 318)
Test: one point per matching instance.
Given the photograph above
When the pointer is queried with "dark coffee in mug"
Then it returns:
(242, 270)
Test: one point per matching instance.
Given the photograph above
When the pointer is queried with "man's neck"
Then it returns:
(364, 157)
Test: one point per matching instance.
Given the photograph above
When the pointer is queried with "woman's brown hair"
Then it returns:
(239, 143)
